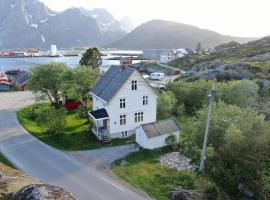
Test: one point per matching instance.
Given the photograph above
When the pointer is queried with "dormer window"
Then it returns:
(122, 103)
(145, 100)
(134, 85)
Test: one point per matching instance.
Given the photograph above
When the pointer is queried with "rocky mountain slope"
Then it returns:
(31, 24)
(230, 61)
(158, 34)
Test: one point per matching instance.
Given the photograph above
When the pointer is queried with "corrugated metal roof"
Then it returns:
(162, 127)
(111, 82)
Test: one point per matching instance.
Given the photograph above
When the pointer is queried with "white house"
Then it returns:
(168, 56)
(180, 53)
(122, 101)
(153, 135)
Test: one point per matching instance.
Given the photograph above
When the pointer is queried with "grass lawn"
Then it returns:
(6, 161)
(144, 171)
(74, 137)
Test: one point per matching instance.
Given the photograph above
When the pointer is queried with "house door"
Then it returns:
(105, 124)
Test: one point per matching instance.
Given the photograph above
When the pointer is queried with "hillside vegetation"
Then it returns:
(230, 61)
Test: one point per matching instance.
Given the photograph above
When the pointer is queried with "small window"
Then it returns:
(145, 100)
(124, 134)
(134, 85)
(123, 119)
(138, 117)
(122, 103)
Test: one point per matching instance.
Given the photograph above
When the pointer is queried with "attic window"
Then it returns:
(145, 100)
(134, 85)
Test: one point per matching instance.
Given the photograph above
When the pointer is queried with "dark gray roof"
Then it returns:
(111, 82)
(99, 114)
(162, 127)
(20, 77)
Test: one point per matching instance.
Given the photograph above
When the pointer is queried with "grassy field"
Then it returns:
(6, 161)
(75, 136)
(145, 172)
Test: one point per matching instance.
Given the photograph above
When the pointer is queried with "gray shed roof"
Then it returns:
(162, 127)
(111, 82)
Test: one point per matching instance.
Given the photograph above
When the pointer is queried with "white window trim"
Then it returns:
(141, 116)
(119, 100)
(120, 119)
(145, 95)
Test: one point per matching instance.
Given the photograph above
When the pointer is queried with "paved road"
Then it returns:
(48, 164)
(101, 159)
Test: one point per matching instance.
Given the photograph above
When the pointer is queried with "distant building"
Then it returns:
(153, 54)
(168, 56)
(53, 50)
(180, 53)
(125, 61)
(32, 53)
(19, 77)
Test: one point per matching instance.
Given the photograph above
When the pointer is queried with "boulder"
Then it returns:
(42, 192)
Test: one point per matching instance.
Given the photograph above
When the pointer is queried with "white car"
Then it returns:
(157, 76)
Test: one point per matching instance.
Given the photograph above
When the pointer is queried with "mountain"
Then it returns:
(158, 34)
(31, 24)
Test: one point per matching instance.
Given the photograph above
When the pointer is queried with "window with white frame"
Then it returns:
(123, 119)
(138, 117)
(122, 103)
(134, 85)
(145, 100)
(124, 134)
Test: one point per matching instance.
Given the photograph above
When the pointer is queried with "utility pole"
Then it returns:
(211, 96)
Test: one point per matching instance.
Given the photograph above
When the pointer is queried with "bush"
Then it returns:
(52, 119)
(171, 141)
(211, 191)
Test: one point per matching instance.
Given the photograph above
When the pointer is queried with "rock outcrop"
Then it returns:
(16, 185)
(42, 192)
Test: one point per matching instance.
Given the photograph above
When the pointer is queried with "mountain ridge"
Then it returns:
(31, 24)
(161, 34)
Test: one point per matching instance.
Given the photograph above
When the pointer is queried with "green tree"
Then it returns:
(79, 83)
(166, 104)
(91, 58)
(52, 119)
(46, 80)
(241, 146)
(199, 48)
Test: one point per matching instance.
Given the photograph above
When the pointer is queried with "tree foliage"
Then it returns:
(240, 140)
(52, 119)
(91, 58)
(194, 95)
(79, 82)
(47, 80)
(166, 104)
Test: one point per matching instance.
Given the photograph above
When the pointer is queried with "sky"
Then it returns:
(244, 18)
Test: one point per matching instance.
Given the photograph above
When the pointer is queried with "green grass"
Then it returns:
(144, 171)
(75, 136)
(6, 161)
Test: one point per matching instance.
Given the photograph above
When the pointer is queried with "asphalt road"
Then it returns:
(50, 165)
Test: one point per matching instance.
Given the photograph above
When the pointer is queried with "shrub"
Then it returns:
(52, 119)
(171, 141)
(211, 191)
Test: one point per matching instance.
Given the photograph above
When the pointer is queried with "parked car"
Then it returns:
(157, 76)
